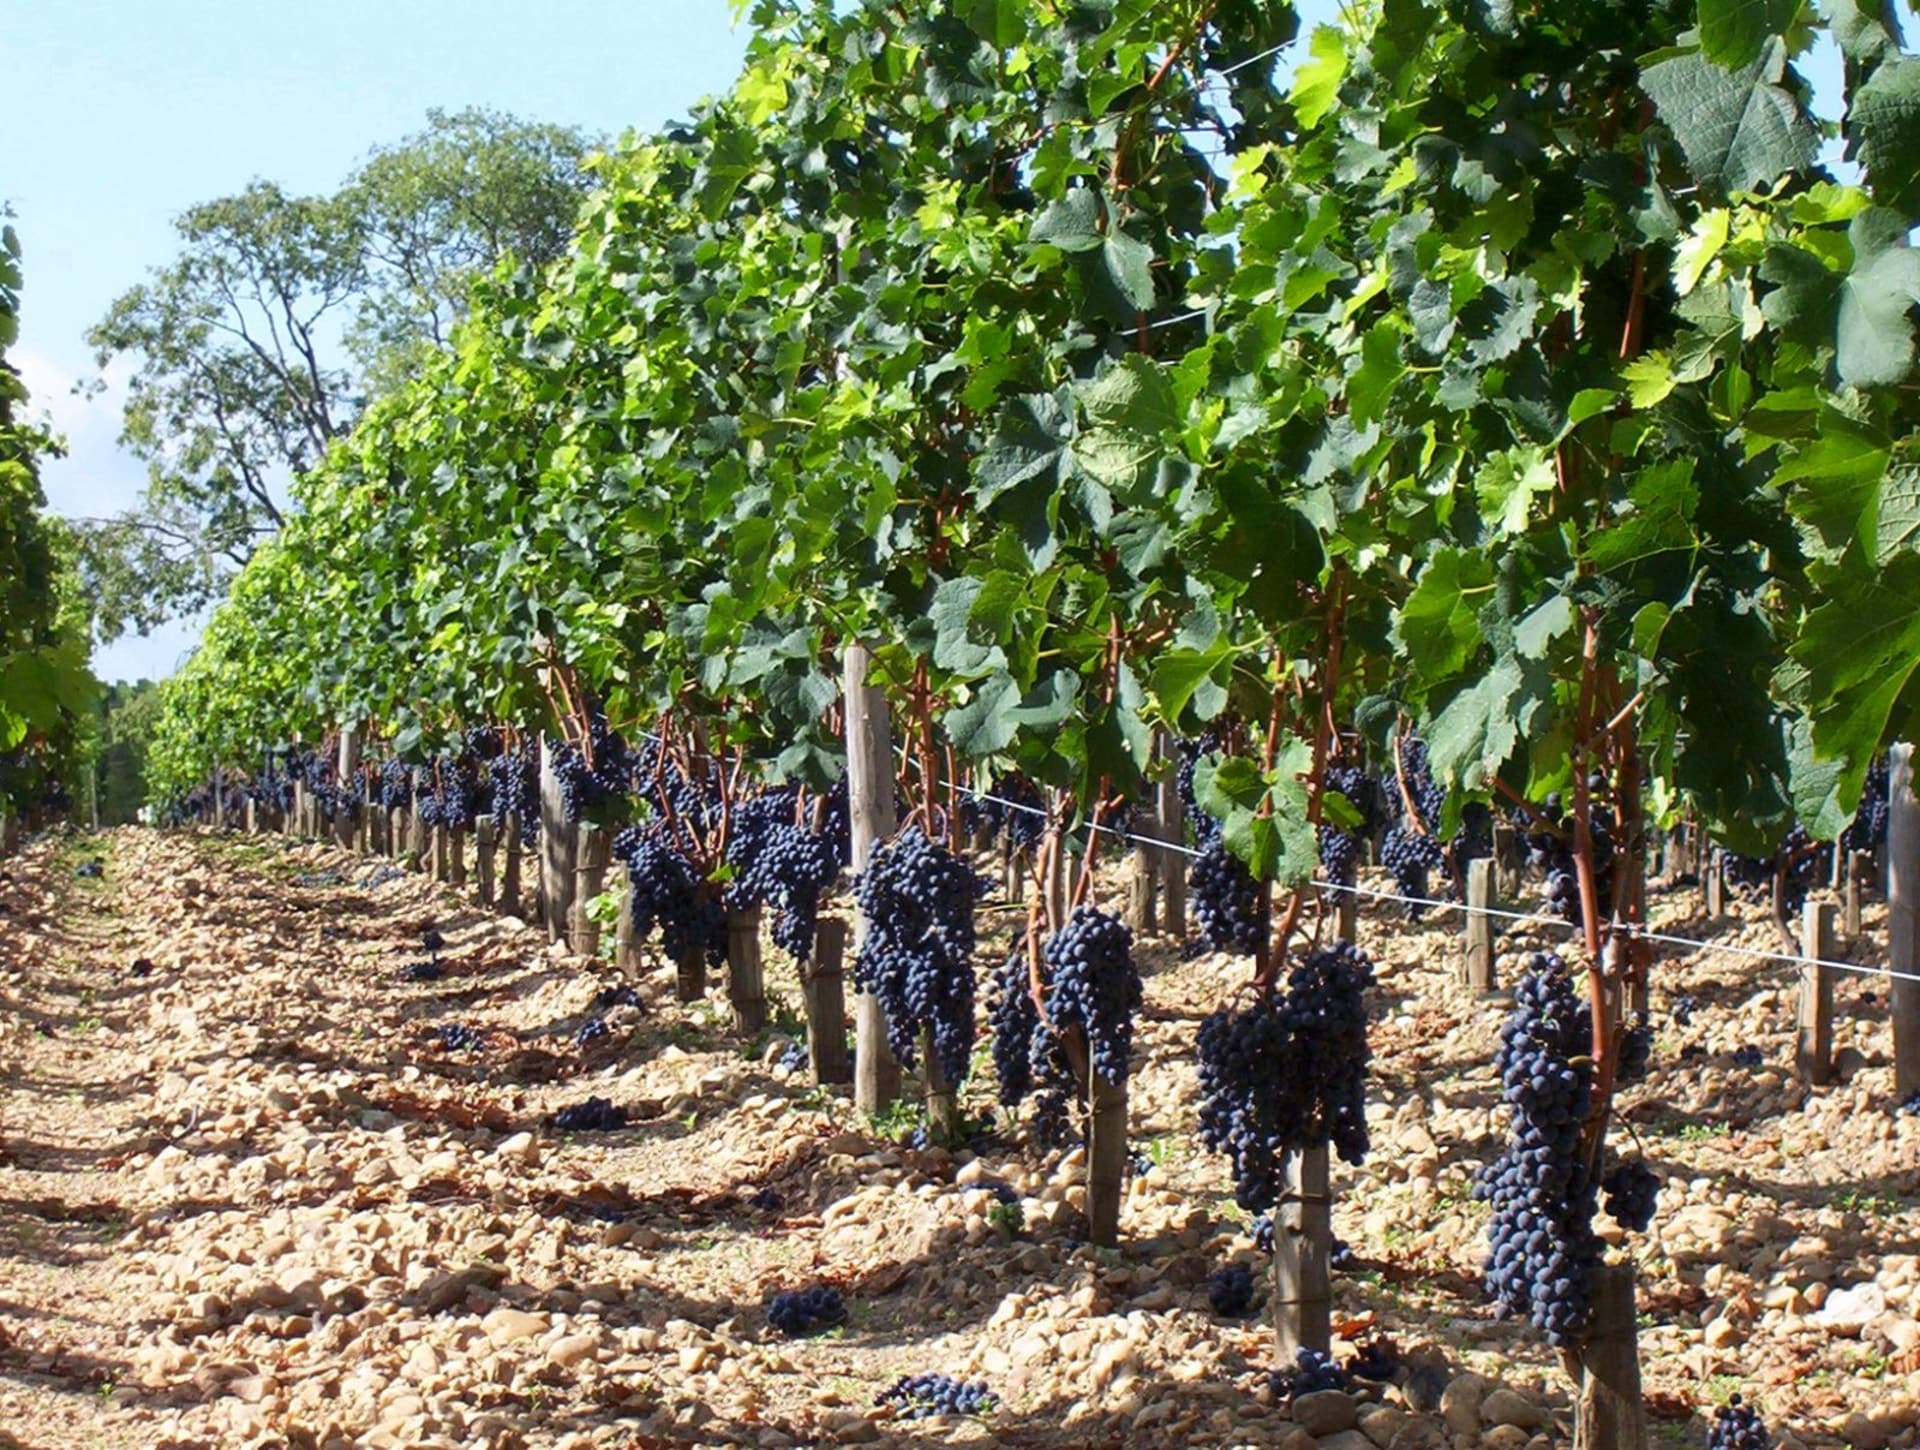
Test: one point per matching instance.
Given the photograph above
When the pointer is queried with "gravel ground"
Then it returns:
(248, 1198)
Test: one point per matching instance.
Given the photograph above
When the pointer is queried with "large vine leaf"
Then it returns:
(1740, 130)
(1883, 126)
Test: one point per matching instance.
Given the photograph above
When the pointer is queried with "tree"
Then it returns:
(262, 341)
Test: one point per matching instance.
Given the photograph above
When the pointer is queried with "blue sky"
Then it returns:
(119, 114)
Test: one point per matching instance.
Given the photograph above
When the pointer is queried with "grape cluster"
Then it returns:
(1684, 1006)
(591, 772)
(789, 871)
(1289, 1073)
(513, 788)
(1800, 863)
(1633, 1192)
(917, 899)
(794, 1059)
(1312, 1371)
(1230, 1291)
(1749, 1056)
(1226, 900)
(443, 796)
(923, 1396)
(424, 972)
(1203, 825)
(1262, 1231)
(1548, 840)
(622, 995)
(1409, 856)
(1868, 829)
(595, 1115)
(1015, 1021)
(1377, 1361)
(1019, 814)
(801, 1311)
(1093, 984)
(1339, 845)
(1636, 1049)
(1543, 1248)
(592, 1030)
(666, 892)
(457, 1036)
(1738, 1426)
(396, 784)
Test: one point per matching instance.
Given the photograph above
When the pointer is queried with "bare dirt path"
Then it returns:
(249, 1197)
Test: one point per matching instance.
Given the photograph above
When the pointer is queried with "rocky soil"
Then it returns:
(248, 1198)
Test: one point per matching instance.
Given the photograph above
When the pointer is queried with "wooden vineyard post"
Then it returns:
(457, 855)
(556, 848)
(1476, 961)
(823, 987)
(1813, 1052)
(1142, 888)
(397, 828)
(346, 769)
(483, 844)
(1857, 863)
(690, 984)
(1106, 1157)
(1712, 884)
(1506, 860)
(1608, 1413)
(418, 840)
(1903, 920)
(626, 942)
(442, 859)
(591, 851)
(1302, 1241)
(300, 799)
(1173, 865)
(253, 818)
(746, 974)
(870, 804)
(9, 833)
(1346, 916)
(510, 867)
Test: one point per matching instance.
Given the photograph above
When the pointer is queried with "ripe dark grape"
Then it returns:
(923, 1396)
(1230, 1291)
(457, 1037)
(1377, 1361)
(1636, 1049)
(1019, 813)
(1868, 829)
(1205, 828)
(1015, 1019)
(396, 784)
(1633, 1192)
(1910, 1108)
(590, 772)
(1262, 1231)
(1226, 900)
(802, 1311)
(1313, 1370)
(794, 1059)
(788, 870)
(1542, 1246)
(1289, 1073)
(1093, 984)
(666, 892)
(592, 1030)
(917, 899)
(1409, 856)
(595, 1115)
(1738, 1426)
(1748, 1056)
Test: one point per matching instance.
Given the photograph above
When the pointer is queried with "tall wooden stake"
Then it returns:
(510, 868)
(746, 977)
(1171, 826)
(592, 848)
(1903, 921)
(1608, 1414)
(1813, 1053)
(1857, 864)
(1302, 1273)
(825, 992)
(483, 852)
(346, 770)
(870, 803)
(1476, 962)
(556, 849)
